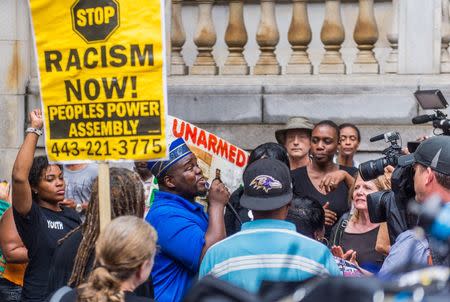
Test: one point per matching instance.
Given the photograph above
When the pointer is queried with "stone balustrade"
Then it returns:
(269, 37)
(241, 68)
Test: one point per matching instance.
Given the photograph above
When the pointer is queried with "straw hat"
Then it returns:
(293, 123)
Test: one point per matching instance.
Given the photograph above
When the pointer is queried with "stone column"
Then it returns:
(205, 38)
(419, 43)
(445, 38)
(332, 36)
(366, 35)
(267, 37)
(178, 37)
(236, 38)
(15, 54)
(392, 60)
(299, 36)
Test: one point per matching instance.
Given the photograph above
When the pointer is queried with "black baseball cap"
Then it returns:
(433, 152)
(267, 185)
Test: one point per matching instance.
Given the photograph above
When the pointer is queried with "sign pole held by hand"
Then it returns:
(104, 207)
(97, 60)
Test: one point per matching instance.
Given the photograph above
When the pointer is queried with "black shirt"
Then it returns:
(129, 297)
(232, 224)
(364, 245)
(338, 199)
(64, 260)
(40, 231)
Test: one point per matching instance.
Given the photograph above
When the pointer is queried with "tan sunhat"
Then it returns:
(293, 123)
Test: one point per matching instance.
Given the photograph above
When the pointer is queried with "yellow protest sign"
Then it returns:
(102, 78)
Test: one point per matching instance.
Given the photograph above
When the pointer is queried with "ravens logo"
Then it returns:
(266, 183)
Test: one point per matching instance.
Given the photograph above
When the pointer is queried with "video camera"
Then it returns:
(373, 168)
(391, 206)
(433, 100)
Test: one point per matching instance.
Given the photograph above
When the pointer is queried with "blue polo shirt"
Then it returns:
(181, 227)
(267, 249)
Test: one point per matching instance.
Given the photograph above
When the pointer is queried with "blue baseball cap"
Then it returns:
(177, 150)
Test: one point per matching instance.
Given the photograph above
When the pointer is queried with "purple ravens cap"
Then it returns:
(267, 185)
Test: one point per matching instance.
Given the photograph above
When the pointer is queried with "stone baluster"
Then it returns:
(445, 38)
(204, 39)
(299, 36)
(267, 38)
(365, 36)
(392, 60)
(236, 38)
(332, 36)
(177, 37)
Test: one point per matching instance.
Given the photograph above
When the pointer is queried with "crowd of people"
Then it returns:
(301, 212)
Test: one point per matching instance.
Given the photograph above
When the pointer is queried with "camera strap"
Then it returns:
(342, 224)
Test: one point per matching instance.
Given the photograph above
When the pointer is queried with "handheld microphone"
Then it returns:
(422, 119)
(228, 205)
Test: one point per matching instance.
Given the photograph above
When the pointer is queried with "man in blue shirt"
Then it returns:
(268, 248)
(185, 231)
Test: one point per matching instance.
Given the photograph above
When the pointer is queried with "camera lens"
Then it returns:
(372, 169)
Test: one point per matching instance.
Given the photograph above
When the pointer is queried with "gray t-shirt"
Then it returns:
(79, 183)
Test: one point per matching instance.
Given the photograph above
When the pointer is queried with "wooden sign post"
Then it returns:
(104, 196)
(102, 81)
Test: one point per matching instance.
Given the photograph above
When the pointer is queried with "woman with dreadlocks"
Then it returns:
(74, 257)
(124, 254)
(38, 189)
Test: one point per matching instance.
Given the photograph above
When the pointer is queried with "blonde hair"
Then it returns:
(121, 249)
(382, 183)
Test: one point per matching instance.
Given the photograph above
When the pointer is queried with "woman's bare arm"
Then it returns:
(11, 245)
(21, 197)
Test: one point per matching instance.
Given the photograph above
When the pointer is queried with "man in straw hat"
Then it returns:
(185, 231)
(295, 136)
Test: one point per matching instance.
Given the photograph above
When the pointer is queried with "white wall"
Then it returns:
(14, 74)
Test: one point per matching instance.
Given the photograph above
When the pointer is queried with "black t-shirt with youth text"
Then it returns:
(40, 231)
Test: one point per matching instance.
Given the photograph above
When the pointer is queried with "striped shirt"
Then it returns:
(267, 249)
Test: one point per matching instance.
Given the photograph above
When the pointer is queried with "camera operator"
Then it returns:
(431, 166)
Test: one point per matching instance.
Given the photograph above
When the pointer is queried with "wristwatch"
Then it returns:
(79, 208)
(34, 130)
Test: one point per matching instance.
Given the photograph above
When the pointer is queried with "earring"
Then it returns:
(323, 240)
